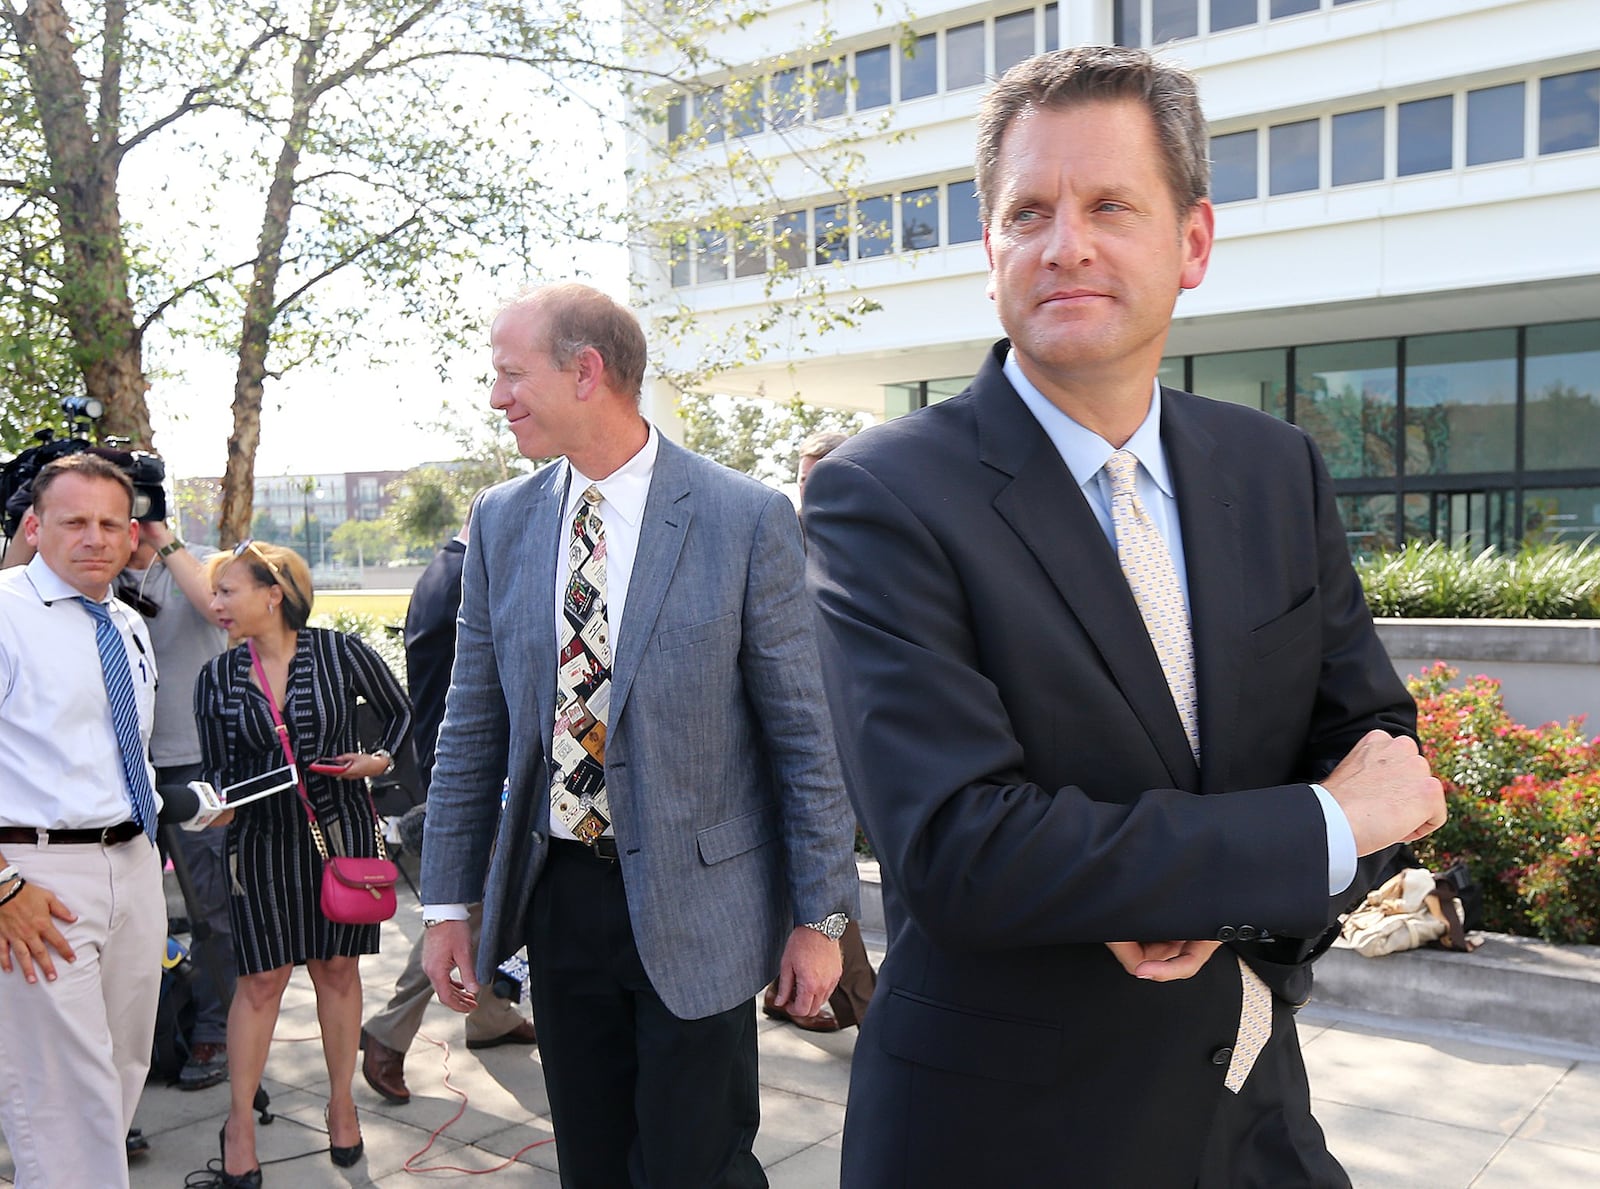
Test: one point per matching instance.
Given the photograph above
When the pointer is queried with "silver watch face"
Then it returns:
(832, 925)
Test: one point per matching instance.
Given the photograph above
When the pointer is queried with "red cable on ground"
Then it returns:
(415, 1169)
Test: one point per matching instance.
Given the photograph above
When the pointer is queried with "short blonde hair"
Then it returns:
(271, 565)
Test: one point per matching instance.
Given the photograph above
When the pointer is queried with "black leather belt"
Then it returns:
(105, 836)
(602, 850)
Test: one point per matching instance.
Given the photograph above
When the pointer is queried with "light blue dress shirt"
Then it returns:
(1085, 453)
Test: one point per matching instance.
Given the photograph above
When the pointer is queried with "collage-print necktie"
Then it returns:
(583, 682)
(124, 716)
(1147, 564)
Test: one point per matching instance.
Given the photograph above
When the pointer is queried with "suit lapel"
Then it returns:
(1044, 507)
(668, 510)
(536, 583)
(1213, 547)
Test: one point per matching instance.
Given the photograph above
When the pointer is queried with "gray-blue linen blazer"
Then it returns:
(728, 807)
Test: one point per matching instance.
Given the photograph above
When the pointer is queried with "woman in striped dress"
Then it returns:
(263, 596)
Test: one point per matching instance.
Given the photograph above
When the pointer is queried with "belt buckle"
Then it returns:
(594, 848)
(106, 838)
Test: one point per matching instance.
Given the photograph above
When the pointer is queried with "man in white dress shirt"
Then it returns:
(82, 918)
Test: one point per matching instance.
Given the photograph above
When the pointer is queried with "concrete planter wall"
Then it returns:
(1548, 669)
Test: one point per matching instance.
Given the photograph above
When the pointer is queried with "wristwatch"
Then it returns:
(169, 548)
(430, 922)
(830, 926)
(387, 759)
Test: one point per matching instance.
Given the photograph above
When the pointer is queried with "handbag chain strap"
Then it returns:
(317, 839)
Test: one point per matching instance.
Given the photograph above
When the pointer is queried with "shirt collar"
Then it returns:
(51, 587)
(625, 489)
(1083, 450)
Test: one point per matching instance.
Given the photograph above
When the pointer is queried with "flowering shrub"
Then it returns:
(1524, 807)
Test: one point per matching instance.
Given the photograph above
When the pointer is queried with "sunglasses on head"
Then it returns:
(248, 545)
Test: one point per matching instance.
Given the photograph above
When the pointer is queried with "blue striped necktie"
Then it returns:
(124, 715)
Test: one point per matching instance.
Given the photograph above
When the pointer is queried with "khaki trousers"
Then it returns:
(75, 1051)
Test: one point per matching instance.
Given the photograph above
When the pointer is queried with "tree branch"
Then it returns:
(178, 295)
(345, 261)
(196, 98)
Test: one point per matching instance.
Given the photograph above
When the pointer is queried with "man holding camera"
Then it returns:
(81, 908)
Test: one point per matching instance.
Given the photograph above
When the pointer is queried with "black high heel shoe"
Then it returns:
(230, 1180)
(343, 1157)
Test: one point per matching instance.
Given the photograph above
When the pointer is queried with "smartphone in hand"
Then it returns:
(329, 766)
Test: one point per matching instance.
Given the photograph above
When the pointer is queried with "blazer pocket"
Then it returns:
(974, 1044)
(697, 633)
(737, 835)
(1299, 619)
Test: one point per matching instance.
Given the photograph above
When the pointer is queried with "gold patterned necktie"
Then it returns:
(1147, 564)
(583, 682)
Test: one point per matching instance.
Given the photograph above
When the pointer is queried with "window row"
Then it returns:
(945, 60)
(1174, 20)
(1416, 137)
(1425, 405)
(837, 231)
(1474, 519)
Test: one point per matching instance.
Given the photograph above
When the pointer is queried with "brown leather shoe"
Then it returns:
(522, 1034)
(384, 1069)
(823, 1021)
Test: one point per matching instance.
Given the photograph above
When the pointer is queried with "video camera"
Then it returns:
(147, 472)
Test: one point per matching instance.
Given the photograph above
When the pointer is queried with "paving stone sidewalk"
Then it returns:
(1406, 1104)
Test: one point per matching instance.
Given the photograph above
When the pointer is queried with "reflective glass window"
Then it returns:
(1423, 135)
(1292, 157)
(1125, 27)
(1230, 14)
(872, 78)
(919, 219)
(1233, 166)
(708, 108)
(786, 98)
(1052, 28)
(1494, 123)
(789, 240)
(874, 227)
(711, 256)
(961, 200)
(1358, 146)
(900, 399)
(750, 250)
(943, 390)
(677, 117)
(830, 232)
(1257, 379)
(919, 66)
(1289, 8)
(1461, 402)
(1170, 373)
(678, 260)
(1345, 399)
(745, 116)
(1013, 40)
(963, 56)
(1569, 111)
(1561, 514)
(1172, 19)
(829, 85)
(1561, 386)
(1369, 522)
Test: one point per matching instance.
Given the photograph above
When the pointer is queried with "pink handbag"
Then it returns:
(355, 891)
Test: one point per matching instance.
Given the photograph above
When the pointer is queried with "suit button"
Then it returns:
(1222, 1056)
(1226, 933)
(1248, 933)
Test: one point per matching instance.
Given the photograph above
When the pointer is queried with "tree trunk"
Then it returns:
(238, 481)
(93, 296)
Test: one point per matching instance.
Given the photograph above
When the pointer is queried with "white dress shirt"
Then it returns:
(1085, 453)
(623, 494)
(60, 765)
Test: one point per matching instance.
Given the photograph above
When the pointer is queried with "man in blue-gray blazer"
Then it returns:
(636, 651)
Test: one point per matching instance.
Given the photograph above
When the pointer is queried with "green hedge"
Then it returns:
(1434, 581)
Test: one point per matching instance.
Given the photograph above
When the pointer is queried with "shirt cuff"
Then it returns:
(1341, 843)
(458, 912)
